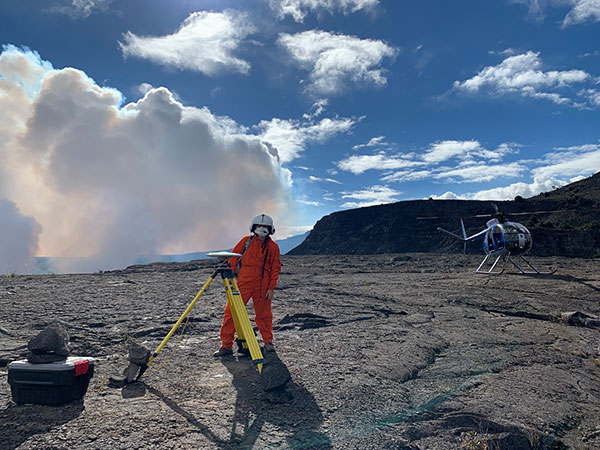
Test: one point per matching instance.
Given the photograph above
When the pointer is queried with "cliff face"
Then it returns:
(567, 223)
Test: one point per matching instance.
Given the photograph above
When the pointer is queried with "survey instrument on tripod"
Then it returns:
(243, 327)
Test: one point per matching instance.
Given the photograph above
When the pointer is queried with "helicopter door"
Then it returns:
(488, 242)
(494, 240)
(498, 238)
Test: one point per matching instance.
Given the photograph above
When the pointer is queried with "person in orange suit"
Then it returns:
(257, 274)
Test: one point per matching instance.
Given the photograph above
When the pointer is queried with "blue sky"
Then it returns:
(143, 126)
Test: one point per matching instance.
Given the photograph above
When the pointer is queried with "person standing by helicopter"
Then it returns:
(257, 271)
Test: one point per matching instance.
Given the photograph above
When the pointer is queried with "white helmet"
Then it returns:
(264, 220)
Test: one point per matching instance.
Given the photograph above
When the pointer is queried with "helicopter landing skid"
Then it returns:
(491, 271)
(535, 270)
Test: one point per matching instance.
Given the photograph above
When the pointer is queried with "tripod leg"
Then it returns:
(243, 327)
(174, 328)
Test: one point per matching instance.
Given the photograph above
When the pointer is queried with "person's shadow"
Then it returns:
(291, 408)
(19, 422)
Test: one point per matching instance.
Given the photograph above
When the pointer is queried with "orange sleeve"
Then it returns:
(275, 265)
(239, 248)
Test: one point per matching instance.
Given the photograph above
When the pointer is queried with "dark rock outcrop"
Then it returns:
(563, 222)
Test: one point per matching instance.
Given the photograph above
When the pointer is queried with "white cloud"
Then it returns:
(523, 75)
(358, 164)
(318, 108)
(309, 202)
(580, 11)
(376, 141)
(406, 175)
(591, 95)
(523, 189)
(298, 8)
(444, 150)
(144, 88)
(23, 67)
(329, 180)
(481, 172)
(82, 9)
(576, 179)
(18, 240)
(375, 195)
(288, 231)
(570, 162)
(336, 60)
(536, 7)
(108, 182)
(555, 169)
(509, 192)
(448, 195)
(588, 54)
(205, 42)
(506, 52)
(469, 154)
(289, 137)
(466, 150)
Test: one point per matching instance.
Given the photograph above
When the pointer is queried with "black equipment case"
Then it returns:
(53, 383)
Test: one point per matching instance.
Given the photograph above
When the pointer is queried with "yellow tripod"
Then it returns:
(241, 321)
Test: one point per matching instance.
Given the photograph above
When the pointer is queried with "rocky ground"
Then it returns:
(406, 351)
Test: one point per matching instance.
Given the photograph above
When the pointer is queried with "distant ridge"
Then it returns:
(573, 230)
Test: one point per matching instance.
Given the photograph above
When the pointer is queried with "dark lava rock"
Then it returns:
(51, 344)
(275, 375)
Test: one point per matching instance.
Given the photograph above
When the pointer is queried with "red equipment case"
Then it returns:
(53, 383)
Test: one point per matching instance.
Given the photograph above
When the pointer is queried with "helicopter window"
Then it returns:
(521, 228)
(490, 242)
(495, 238)
(498, 237)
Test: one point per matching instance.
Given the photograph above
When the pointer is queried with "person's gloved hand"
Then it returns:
(270, 294)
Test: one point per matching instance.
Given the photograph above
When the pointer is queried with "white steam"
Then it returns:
(18, 239)
(107, 181)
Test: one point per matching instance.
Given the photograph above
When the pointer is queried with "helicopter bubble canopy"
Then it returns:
(509, 238)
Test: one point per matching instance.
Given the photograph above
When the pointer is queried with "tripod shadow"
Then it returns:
(19, 422)
(220, 443)
(297, 414)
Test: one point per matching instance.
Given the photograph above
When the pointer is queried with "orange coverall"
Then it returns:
(259, 272)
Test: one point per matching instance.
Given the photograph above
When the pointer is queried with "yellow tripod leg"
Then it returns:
(174, 328)
(241, 321)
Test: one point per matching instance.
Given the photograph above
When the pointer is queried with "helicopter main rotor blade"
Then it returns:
(481, 233)
(522, 213)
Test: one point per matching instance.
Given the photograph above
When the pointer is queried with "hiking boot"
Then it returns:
(269, 347)
(241, 350)
(223, 352)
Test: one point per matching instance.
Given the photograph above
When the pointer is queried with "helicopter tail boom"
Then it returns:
(452, 234)
(464, 236)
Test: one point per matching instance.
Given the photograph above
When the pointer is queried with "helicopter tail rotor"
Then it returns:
(464, 232)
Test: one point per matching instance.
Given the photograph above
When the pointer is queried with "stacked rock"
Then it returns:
(52, 344)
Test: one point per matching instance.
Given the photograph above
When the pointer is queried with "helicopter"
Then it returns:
(502, 240)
